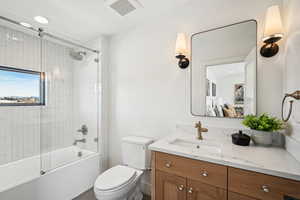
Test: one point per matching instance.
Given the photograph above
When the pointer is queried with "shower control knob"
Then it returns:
(190, 191)
(84, 130)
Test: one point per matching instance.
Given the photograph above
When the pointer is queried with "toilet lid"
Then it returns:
(115, 177)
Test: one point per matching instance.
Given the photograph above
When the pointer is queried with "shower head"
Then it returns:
(77, 55)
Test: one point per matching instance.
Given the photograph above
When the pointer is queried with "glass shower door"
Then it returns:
(19, 107)
(69, 120)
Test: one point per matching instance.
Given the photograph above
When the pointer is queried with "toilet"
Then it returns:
(122, 182)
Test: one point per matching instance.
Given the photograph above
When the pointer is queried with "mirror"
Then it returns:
(223, 71)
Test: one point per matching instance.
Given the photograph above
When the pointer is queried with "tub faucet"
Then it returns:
(200, 130)
(82, 140)
(84, 129)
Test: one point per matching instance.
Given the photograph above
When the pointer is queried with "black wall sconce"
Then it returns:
(273, 32)
(182, 51)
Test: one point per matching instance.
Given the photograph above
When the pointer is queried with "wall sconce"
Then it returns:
(182, 51)
(273, 32)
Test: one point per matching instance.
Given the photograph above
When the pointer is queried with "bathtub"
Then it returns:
(66, 175)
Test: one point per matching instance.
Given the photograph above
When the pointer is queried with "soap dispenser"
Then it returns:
(241, 139)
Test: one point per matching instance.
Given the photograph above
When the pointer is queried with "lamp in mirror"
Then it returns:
(182, 51)
(273, 32)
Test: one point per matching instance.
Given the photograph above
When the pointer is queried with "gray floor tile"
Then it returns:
(89, 195)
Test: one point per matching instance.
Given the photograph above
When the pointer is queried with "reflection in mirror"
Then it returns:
(223, 75)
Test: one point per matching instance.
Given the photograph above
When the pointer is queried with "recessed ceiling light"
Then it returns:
(41, 19)
(25, 24)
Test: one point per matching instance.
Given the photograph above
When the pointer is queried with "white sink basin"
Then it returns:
(196, 145)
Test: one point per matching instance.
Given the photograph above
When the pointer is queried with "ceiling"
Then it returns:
(223, 70)
(84, 20)
(217, 46)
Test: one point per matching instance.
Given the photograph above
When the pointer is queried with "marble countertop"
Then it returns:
(219, 149)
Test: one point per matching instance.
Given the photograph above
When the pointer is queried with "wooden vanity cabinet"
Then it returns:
(197, 190)
(170, 187)
(261, 186)
(178, 178)
(204, 172)
(236, 196)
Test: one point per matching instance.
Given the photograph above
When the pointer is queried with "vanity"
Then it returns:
(184, 168)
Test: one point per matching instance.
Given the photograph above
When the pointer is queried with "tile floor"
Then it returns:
(89, 195)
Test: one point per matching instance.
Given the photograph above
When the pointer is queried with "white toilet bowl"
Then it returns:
(122, 182)
(119, 183)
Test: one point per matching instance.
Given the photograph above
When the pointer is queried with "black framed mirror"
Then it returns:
(223, 71)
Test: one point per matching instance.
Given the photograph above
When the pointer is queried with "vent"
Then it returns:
(123, 7)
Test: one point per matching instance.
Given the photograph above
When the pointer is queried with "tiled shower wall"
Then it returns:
(21, 127)
(57, 129)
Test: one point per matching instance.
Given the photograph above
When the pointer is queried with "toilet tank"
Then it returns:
(135, 152)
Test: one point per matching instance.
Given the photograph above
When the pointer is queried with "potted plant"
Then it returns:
(262, 128)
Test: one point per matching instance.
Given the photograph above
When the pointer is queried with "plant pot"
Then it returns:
(261, 138)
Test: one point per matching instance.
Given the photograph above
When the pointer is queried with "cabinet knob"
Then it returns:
(168, 164)
(180, 188)
(190, 190)
(265, 188)
(205, 174)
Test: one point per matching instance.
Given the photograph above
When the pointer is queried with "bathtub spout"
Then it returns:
(82, 140)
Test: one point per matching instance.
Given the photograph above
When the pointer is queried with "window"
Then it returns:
(20, 87)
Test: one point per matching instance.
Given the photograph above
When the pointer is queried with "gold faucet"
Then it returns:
(200, 130)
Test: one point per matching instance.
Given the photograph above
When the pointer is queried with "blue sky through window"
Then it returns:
(19, 84)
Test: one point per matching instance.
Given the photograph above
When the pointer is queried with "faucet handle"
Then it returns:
(204, 130)
(198, 125)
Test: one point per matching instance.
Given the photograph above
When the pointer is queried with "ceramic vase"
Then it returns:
(261, 138)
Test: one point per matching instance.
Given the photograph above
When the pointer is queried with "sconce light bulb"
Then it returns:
(273, 32)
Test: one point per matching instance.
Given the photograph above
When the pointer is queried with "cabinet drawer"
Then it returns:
(235, 196)
(202, 171)
(262, 186)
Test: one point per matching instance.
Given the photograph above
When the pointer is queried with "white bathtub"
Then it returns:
(67, 175)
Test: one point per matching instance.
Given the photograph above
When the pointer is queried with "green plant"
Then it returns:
(263, 123)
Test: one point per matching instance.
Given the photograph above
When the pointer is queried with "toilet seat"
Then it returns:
(115, 178)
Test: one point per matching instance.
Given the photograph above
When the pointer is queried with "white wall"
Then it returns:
(150, 94)
(225, 87)
(292, 70)
(250, 82)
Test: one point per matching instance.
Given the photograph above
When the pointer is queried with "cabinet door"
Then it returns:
(235, 196)
(262, 186)
(201, 191)
(169, 186)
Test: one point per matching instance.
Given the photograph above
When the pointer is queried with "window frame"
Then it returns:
(42, 86)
